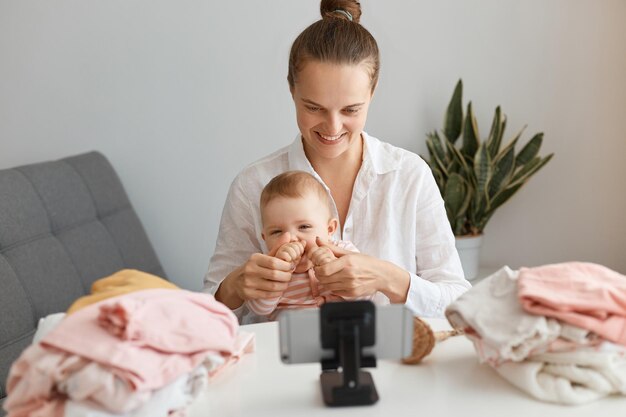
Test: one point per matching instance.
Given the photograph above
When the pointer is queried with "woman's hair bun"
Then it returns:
(341, 9)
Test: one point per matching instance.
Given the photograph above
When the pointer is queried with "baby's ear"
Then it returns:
(333, 224)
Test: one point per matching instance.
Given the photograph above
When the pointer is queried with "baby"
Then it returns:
(295, 209)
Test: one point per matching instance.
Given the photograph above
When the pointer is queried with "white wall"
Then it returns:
(180, 95)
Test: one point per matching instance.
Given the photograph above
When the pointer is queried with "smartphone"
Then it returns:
(300, 342)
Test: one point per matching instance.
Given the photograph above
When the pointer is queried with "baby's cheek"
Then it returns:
(271, 244)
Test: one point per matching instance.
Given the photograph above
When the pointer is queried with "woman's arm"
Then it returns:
(439, 278)
(227, 293)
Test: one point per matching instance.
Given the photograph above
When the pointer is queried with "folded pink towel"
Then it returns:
(150, 337)
(185, 324)
(586, 295)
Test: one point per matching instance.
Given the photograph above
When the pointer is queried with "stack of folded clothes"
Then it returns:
(558, 331)
(137, 346)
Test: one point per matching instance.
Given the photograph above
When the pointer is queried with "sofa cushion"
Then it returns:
(63, 225)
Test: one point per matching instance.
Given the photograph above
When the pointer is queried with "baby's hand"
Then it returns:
(321, 255)
(291, 252)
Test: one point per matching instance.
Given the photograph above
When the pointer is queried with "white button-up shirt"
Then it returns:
(396, 213)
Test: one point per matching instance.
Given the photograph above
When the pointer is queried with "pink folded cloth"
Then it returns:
(586, 295)
(43, 378)
(165, 333)
(188, 324)
(116, 353)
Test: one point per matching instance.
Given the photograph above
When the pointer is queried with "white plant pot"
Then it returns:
(469, 252)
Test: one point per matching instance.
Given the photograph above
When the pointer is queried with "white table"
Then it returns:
(450, 382)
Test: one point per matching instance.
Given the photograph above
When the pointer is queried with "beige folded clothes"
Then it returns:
(550, 360)
(570, 378)
(492, 317)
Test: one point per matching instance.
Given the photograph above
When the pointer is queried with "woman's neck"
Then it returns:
(339, 174)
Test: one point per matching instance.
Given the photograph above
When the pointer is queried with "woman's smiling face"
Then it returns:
(331, 101)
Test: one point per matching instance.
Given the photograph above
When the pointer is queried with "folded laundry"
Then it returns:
(50, 375)
(177, 329)
(586, 295)
(572, 378)
(172, 398)
(549, 358)
(493, 319)
(169, 335)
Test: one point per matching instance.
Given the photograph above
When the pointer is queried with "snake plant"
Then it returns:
(476, 177)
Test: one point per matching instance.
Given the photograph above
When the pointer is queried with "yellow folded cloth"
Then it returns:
(121, 282)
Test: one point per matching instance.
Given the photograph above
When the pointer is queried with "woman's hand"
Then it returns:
(262, 276)
(320, 255)
(356, 275)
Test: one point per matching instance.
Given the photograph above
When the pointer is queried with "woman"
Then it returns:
(385, 197)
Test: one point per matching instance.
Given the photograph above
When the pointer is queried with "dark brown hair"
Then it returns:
(293, 184)
(335, 39)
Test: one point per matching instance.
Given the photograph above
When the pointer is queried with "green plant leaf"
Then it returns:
(502, 129)
(454, 195)
(496, 202)
(438, 147)
(483, 171)
(529, 151)
(458, 227)
(457, 197)
(503, 168)
(453, 167)
(456, 156)
(453, 121)
(470, 133)
(495, 135)
(521, 173)
(530, 169)
(512, 143)
(476, 210)
(469, 193)
(438, 162)
(505, 194)
(482, 168)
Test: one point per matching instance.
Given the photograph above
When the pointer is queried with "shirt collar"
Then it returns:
(380, 155)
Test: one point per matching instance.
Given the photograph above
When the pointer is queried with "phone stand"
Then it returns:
(347, 327)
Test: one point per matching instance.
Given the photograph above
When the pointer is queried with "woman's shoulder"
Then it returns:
(388, 157)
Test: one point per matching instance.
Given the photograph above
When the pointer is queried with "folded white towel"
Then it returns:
(175, 396)
(572, 378)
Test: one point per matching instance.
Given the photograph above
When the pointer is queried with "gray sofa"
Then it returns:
(63, 225)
